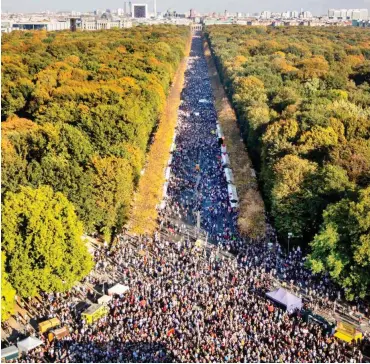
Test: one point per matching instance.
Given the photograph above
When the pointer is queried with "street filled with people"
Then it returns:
(189, 299)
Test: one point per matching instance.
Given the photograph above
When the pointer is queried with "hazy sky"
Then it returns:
(318, 7)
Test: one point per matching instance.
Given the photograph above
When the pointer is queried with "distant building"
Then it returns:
(104, 23)
(364, 14)
(47, 25)
(306, 15)
(348, 14)
(343, 14)
(192, 13)
(139, 11)
(266, 15)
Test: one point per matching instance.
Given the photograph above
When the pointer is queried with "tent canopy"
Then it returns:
(10, 352)
(225, 159)
(165, 187)
(233, 195)
(229, 175)
(168, 173)
(104, 299)
(29, 344)
(118, 289)
(287, 299)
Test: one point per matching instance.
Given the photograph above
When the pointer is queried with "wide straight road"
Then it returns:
(197, 182)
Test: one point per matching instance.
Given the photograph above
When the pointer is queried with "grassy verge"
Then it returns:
(143, 217)
(251, 220)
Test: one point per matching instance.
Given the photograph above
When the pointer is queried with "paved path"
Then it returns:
(190, 189)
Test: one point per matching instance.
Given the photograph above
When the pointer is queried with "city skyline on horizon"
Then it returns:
(314, 6)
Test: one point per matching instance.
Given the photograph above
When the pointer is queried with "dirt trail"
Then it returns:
(143, 217)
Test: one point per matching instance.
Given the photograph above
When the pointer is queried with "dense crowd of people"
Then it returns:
(187, 303)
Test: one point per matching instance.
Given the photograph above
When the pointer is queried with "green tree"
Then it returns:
(342, 247)
(7, 292)
(42, 241)
(292, 201)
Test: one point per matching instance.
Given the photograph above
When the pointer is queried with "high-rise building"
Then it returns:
(139, 11)
(343, 14)
(364, 14)
(348, 14)
(192, 13)
(266, 14)
(294, 14)
(306, 15)
(120, 12)
(356, 14)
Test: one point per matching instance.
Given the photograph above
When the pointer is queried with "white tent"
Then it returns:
(9, 353)
(233, 196)
(118, 289)
(225, 160)
(169, 160)
(223, 149)
(285, 298)
(29, 344)
(229, 175)
(162, 205)
(173, 147)
(219, 131)
(168, 173)
(253, 172)
(205, 101)
(165, 187)
(104, 299)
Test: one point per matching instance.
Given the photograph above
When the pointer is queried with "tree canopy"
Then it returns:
(302, 100)
(79, 110)
(42, 242)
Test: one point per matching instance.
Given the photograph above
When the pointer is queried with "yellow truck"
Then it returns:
(48, 324)
(94, 313)
(58, 334)
(347, 332)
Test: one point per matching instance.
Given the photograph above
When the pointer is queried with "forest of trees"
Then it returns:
(78, 112)
(302, 96)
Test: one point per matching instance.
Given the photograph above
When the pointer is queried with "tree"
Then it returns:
(7, 292)
(113, 189)
(292, 201)
(342, 247)
(42, 242)
(314, 67)
(91, 97)
(303, 101)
